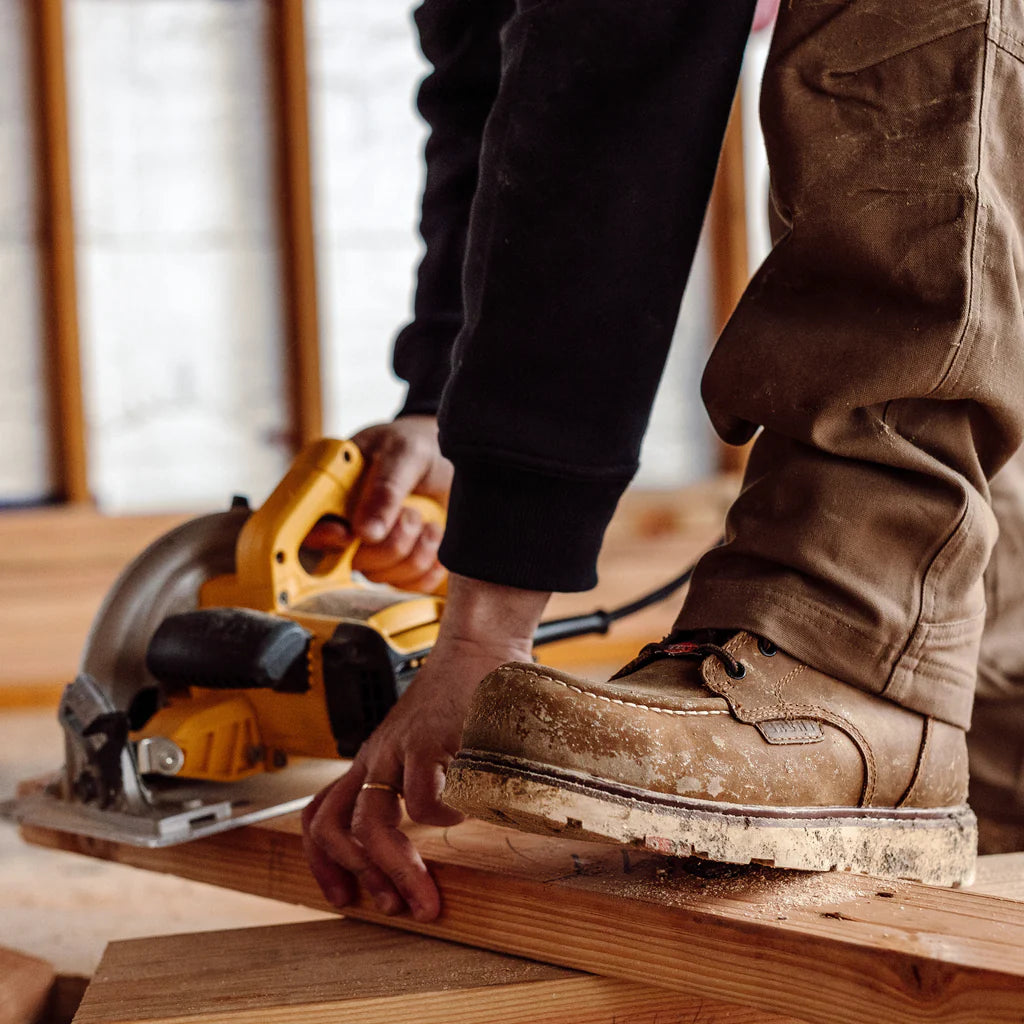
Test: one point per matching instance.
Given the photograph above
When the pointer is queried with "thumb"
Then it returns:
(423, 787)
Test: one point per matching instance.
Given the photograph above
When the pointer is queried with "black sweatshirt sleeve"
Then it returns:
(460, 38)
(597, 162)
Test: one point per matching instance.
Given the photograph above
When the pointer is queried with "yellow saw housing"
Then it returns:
(225, 733)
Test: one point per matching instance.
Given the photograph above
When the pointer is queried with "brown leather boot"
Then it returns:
(737, 753)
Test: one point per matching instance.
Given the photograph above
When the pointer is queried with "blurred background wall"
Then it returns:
(178, 246)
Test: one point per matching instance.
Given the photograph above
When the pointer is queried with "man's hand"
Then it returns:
(351, 833)
(402, 458)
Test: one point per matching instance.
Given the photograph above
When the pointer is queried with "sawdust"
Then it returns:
(763, 892)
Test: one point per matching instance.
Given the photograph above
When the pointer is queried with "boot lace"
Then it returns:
(677, 645)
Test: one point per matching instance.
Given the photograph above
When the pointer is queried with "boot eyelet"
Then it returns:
(766, 647)
(739, 673)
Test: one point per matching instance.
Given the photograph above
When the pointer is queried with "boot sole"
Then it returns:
(935, 846)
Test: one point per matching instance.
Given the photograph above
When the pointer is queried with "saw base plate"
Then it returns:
(182, 811)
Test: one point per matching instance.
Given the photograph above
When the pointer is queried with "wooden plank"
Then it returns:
(56, 565)
(346, 971)
(56, 537)
(67, 413)
(302, 330)
(25, 984)
(835, 949)
(65, 998)
(1001, 874)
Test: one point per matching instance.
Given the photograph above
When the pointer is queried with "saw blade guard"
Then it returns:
(164, 580)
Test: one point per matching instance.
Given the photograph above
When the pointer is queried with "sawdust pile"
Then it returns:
(763, 891)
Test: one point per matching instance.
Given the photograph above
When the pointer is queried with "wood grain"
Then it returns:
(341, 971)
(835, 949)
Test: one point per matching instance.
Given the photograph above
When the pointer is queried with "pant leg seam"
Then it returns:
(961, 350)
(909, 660)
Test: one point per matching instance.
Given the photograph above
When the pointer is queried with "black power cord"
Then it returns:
(600, 621)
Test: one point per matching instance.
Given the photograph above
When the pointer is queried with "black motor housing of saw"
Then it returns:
(241, 649)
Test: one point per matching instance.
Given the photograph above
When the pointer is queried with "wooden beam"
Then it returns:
(67, 414)
(25, 986)
(727, 225)
(302, 331)
(56, 565)
(833, 948)
(347, 972)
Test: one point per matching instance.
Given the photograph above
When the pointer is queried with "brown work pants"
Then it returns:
(881, 348)
(996, 739)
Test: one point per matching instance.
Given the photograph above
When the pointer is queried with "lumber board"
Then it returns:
(56, 565)
(347, 971)
(25, 984)
(835, 949)
(65, 998)
(1001, 874)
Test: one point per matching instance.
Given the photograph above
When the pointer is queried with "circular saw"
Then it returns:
(228, 656)
(225, 652)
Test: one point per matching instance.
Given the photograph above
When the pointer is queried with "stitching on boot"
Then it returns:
(723, 685)
(791, 674)
(614, 700)
(844, 725)
(922, 754)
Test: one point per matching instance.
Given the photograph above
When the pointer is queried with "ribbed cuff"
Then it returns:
(525, 529)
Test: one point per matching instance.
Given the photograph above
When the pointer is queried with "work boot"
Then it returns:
(726, 748)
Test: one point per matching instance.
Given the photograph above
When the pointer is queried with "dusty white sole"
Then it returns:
(934, 846)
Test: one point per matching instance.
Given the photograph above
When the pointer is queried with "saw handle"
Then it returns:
(321, 481)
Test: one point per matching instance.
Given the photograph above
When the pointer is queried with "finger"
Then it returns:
(375, 825)
(421, 559)
(330, 831)
(395, 547)
(424, 785)
(394, 472)
(337, 885)
(328, 534)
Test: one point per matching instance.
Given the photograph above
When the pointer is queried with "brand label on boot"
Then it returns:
(799, 730)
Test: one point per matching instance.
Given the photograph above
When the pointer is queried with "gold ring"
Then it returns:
(381, 785)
